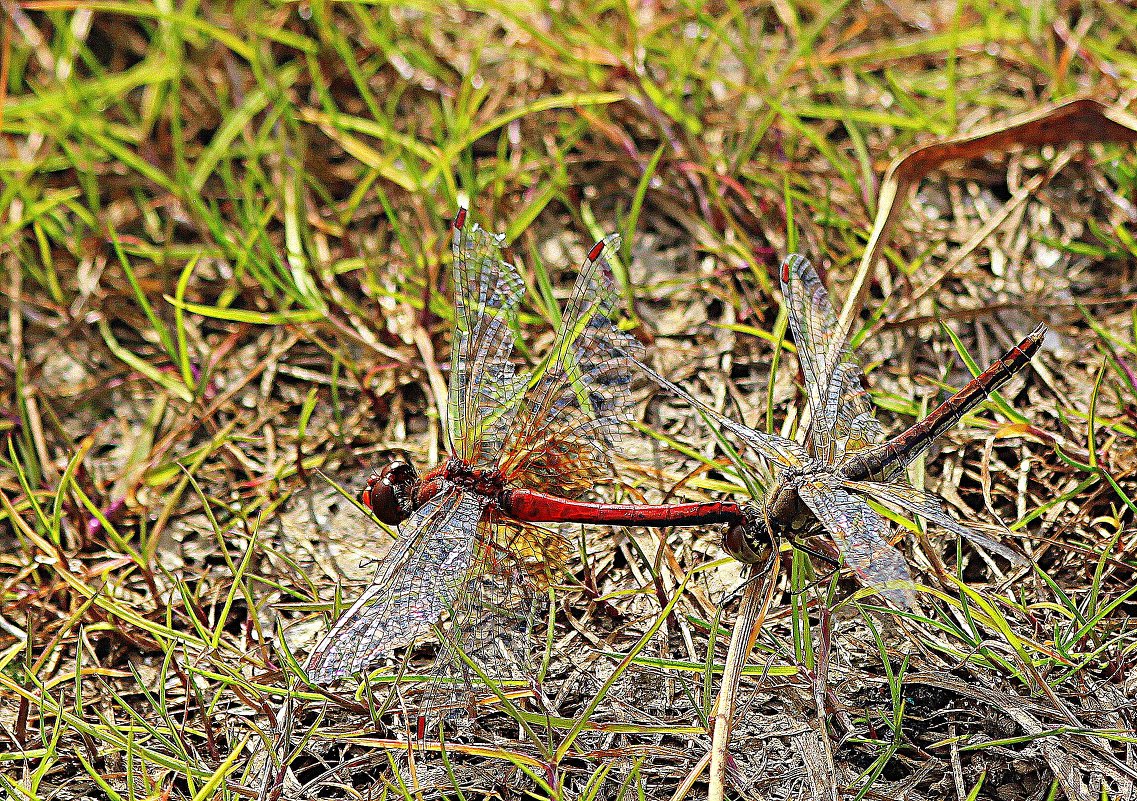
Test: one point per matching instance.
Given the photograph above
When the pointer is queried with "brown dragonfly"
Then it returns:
(823, 484)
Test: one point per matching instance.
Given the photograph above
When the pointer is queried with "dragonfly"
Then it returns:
(823, 485)
(470, 559)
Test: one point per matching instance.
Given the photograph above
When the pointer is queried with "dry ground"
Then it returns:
(224, 264)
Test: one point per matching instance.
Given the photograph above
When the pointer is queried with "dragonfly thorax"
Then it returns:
(783, 506)
(484, 482)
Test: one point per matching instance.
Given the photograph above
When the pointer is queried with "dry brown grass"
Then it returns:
(224, 265)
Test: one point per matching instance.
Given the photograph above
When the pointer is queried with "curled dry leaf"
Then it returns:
(1081, 120)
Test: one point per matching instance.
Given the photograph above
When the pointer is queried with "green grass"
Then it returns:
(223, 259)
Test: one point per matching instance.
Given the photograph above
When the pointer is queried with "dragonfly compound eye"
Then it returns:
(390, 493)
(750, 542)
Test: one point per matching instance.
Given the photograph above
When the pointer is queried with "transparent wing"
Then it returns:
(568, 421)
(855, 426)
(483, 383)
(492, 619)
(489, 623)
(417, 581)
(862, 537)
(779, 450)
(841, 414)
(929, 507)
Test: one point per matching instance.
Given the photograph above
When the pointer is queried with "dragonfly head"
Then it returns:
(751, 542)
(390, 493)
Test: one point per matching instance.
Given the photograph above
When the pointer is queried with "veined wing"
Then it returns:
(929, 507)
(856, 426)
(491, 628)
(483, 383)
(490, 620)
(779, 450)
(862, 537)
(417, 581)
(513, 564)
(571, 414)
(841, 414)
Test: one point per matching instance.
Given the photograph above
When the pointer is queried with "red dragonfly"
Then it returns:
(469, 551)
(823, 484)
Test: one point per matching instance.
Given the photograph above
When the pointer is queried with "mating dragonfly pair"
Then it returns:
(470, 558)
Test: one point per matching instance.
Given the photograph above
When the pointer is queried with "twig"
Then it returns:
(751, 614)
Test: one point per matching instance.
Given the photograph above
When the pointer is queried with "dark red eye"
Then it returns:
(390, 493)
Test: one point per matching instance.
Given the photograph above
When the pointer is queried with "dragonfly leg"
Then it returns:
(817, 546)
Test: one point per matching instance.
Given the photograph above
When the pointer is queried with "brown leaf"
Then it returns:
(1081, 120)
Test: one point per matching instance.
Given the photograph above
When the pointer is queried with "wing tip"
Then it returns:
(904, 598)
(322, 674)
(793, 263)
(597, 249)
(610, 242)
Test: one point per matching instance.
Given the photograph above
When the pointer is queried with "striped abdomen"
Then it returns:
(883, 460)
